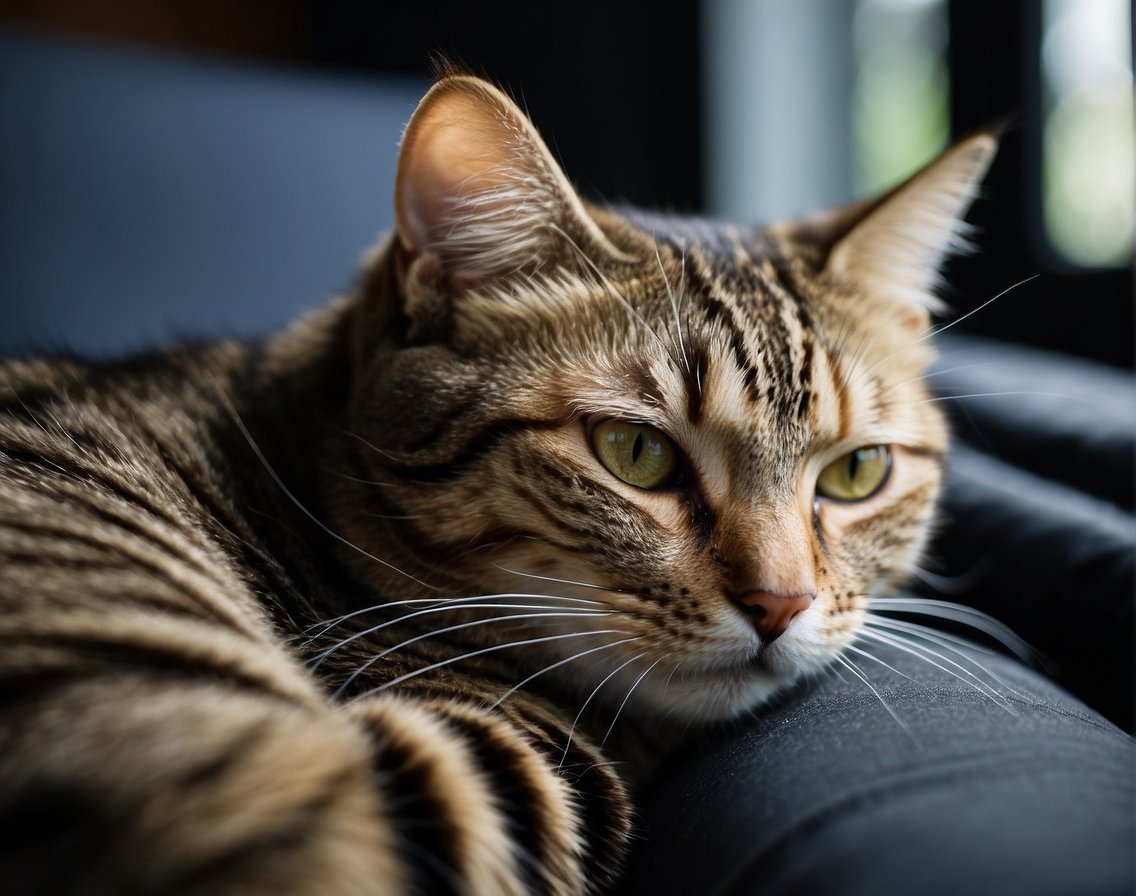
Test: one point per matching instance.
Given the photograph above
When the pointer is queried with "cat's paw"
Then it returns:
(476, 799)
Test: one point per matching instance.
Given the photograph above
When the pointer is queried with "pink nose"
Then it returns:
(772, 612)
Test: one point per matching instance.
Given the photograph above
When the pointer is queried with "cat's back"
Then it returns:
(105, 464)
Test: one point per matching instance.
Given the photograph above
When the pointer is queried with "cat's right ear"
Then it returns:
(479, 199)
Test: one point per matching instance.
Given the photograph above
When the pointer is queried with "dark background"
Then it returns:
(615, 88)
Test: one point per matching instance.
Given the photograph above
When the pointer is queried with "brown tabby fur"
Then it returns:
(183, 708)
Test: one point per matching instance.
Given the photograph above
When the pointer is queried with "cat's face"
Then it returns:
(715, 442)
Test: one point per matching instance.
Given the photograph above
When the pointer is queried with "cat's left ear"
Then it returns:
(479, 199)
(892, 247)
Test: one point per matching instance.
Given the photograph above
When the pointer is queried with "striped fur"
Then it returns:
(355, 610)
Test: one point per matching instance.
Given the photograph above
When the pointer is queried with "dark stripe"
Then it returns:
(33, 687)
(641, 382)
(601, 805)
(703, 519)
(536, 501)
(421, 819)
(206, 772)
(694, 377)
(601, 810)
(126, 658)
(524, 811)
(805, 376)
(103, 497)
(821, 540)
(840, 385)
(503, 535)
(476, 447)
(717, 311)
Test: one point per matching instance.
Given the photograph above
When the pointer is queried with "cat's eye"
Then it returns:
(638, 454)
(857, 475)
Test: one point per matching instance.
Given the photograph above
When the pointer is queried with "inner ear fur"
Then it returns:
(479, 199)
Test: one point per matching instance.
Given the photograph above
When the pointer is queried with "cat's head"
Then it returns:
(713, 440)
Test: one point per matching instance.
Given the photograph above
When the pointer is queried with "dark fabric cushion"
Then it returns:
(1061, 418)
(1037, 525)
(986, 779)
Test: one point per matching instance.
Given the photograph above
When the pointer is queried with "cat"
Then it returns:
(353, 610)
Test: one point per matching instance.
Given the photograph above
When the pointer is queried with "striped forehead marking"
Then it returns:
(767, 327)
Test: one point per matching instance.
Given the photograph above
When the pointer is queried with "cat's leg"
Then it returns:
(177, 784)
(496, 801)
(123, 784)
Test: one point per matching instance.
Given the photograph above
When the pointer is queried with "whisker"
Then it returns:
(939, 398)
(952, 612)
(855, 670)
(959, 320)
(357, 479)
(576, 721)
(924, 653)
(861, 352)
(556, 665)
(876, 659)
(455, 602)
(533, 575)
(494, 647)
(953, 643)
(610, 286)
(627, 697)
(441, 631)
(958, 584)
(386, 455)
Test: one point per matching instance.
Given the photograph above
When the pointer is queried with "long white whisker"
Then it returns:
(441, 602)
(576, 721)
(567, 611)
(861, 352)
(876, 659)
(855, 670)
(959, 320)
(434, 632)
(924, 653)
(533, 575)
(627, 697)
(952, 612)
(947, 641)
(494, 647)
(939, 398)
(957, 584)
(556, 665)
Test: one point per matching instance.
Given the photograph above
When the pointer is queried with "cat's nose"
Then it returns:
(772, 612)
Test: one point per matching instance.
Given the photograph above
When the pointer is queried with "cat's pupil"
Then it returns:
(854, 464)
(637, 447)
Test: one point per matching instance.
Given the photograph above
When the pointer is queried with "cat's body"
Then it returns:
(351, 611)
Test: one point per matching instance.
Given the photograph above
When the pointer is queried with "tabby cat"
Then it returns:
(354, 610)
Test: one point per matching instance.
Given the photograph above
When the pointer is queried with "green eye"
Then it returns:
(857, 475)
(638, 454)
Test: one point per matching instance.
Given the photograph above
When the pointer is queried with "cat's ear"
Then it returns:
(893, 246)
(479, 197)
